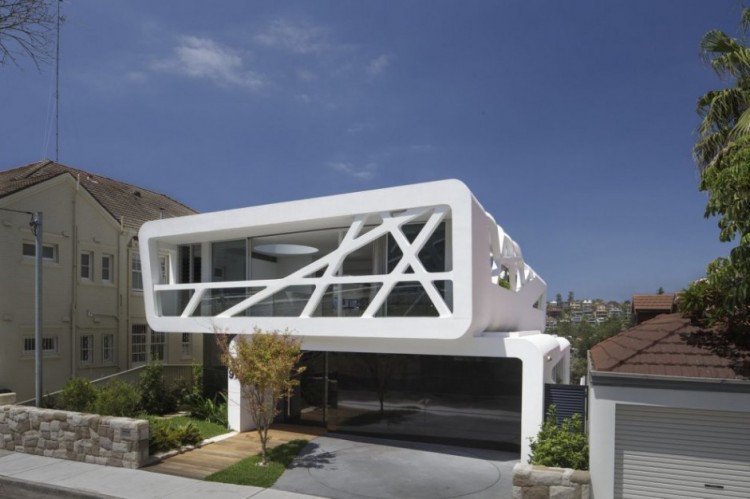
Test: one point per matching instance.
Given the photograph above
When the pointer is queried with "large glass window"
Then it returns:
(473, 401)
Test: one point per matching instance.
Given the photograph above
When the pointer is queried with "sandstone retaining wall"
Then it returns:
(74, 436)
(540, 482)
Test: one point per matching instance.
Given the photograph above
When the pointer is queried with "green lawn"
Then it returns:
(247, 471)
(207, 429)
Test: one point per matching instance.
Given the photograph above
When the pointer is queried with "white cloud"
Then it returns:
(303, 98)
(378, 65)
(306, 75)
(365, 172)
(294, 38)
(203, 58)
(359, 127)
(137, 76)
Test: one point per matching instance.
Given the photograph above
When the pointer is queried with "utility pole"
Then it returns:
(36, 228)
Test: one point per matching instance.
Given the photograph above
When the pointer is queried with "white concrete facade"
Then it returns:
(411, 269)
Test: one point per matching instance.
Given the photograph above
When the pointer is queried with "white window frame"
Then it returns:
(157, 346)
(86, 270)
(139, 343)
(163, 269)
(50, 345)
(187, 345)
(147, 345)
(108, 268)
(50, 251)
(86, 349)
(136, 273)
(108, 348)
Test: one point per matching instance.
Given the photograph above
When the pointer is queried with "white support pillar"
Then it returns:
(239, 415)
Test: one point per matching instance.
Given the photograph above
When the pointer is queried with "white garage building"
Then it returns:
(669, 414)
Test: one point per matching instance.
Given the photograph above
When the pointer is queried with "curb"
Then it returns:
(23, 489)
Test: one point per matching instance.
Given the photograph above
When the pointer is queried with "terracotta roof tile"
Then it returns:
(134, 205)
(653, 302)
(668, 345)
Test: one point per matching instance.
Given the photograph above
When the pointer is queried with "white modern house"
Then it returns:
(417, 313)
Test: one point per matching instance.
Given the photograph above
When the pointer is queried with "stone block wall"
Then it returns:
(75, 436)
(540, 482)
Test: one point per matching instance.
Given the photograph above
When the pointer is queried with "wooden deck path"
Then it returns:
(201, 462)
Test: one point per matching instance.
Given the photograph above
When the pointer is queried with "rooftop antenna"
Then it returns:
(57, 87)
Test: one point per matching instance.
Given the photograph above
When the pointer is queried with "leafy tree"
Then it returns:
(722, 300)
(25, 29)
(660, 291)
(265, 363)
(558, 299)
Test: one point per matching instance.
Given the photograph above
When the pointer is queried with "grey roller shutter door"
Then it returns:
(681, 453)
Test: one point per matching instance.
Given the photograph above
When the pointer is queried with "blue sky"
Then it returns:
(571, 121)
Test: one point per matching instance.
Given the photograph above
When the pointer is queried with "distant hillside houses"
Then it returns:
(593, 312)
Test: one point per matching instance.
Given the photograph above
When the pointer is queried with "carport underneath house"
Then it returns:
(418, 315)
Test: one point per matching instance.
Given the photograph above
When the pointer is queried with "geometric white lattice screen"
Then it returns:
(324, 274)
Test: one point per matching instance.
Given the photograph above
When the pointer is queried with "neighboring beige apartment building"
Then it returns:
(93, 313)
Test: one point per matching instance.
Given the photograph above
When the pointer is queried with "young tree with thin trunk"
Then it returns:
(265, 364)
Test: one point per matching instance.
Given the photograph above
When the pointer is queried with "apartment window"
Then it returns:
(49, 251)
(187, 345)
(135, 273)
(158, 345)
(108, 348)
(87, 349)
(87, 261)
(138, 340)
(163, 269)
(107, 268)
(49, 345)
(147, 345)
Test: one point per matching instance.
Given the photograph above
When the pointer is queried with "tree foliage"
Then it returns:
(25, 29)
(722, 152)
(265, 363)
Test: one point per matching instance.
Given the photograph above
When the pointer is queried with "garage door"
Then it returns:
(681, 453)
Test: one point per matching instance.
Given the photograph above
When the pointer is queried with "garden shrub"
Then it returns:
(563, 446)
(156, 398)
(78, 394)
(213, 411)
(166, 435)
(118, 399)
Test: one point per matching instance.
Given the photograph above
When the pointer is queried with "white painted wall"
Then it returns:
(603, 401)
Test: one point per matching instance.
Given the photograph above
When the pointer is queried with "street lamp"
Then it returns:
(36, 229)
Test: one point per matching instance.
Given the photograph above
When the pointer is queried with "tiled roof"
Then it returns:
(653, 302)
(668, 345)
(134, 204)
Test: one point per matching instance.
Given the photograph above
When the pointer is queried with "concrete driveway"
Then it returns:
(343, 467)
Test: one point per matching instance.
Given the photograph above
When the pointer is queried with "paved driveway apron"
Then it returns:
(342, 467)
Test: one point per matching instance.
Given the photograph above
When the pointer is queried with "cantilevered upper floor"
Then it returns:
(421, 261)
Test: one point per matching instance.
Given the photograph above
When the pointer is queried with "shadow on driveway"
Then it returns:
(342, 466)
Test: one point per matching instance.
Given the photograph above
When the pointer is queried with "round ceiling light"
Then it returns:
(285, 249)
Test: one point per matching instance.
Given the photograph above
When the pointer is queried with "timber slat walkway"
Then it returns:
(201, 462)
